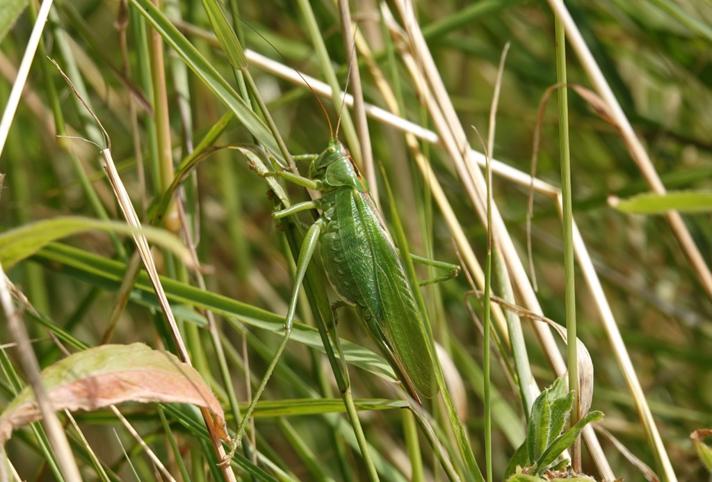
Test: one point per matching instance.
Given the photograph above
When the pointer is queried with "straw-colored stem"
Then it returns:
(55, 432)
(359, 111)
(13, 101)
(162, 122)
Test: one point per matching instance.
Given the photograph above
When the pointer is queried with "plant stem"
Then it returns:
(487, 328)
(162, 122)
(570, 293)
(411, 440)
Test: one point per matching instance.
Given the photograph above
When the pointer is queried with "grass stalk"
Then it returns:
(161, 121)
(567, 222)
(487, 303)
(413, 446)
(359, 112)
(487, 328)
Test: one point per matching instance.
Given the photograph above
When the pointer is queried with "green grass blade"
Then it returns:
(10, 11)
(319, 406)
(207, 74)
(652, 203)
(22, 242)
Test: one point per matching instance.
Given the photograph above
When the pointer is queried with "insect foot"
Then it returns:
(270, 173)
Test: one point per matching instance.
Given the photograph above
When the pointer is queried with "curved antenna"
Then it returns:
(346, 86)
(306, 82)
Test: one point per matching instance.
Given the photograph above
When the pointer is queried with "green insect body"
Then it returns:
(363, 266)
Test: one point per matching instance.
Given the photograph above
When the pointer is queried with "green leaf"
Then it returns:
(108, 273)
(10, 10)
(225, 34)
(560, 410)
(319, 406)
(111, 374)
(543, 418)
(24, 241)
(564, 441)
(207, 74)
(683, 201)
(704, 451)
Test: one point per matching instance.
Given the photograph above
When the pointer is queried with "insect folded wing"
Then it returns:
(363, 266)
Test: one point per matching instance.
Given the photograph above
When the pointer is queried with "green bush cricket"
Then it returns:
(362, 265)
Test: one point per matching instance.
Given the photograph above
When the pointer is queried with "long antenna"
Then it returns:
(306, 82)
(346, 86)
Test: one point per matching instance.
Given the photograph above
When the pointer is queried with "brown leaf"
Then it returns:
(111, 374)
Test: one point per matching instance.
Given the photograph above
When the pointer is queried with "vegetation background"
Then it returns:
(165, 104)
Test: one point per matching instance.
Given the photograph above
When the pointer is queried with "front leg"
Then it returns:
(313, 184)
(304, 157)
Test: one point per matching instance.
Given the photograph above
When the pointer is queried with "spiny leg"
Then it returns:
(312, 184)
(306, 251)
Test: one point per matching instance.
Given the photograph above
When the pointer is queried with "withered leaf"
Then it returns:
(111, 374)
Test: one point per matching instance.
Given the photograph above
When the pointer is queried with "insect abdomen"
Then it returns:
(347, 256)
